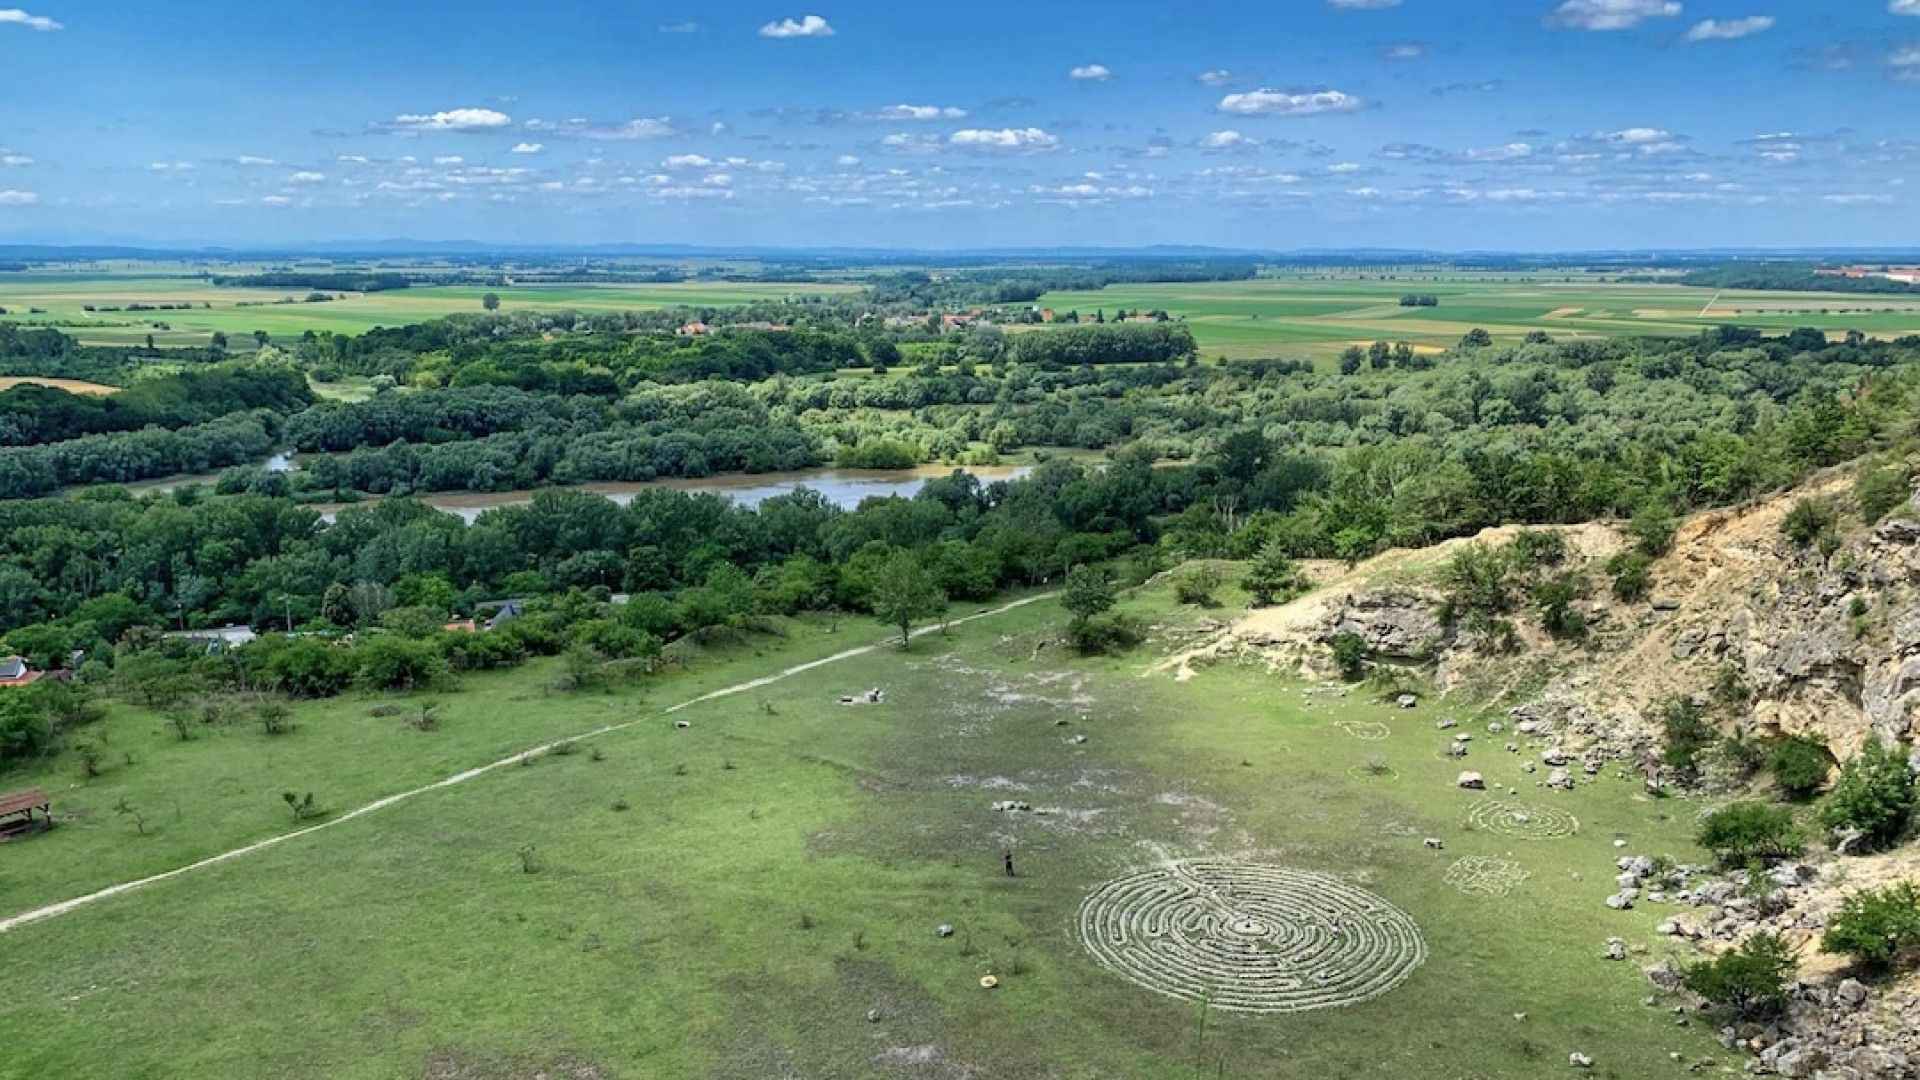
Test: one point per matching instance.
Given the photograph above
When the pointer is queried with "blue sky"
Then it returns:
(1512, 124)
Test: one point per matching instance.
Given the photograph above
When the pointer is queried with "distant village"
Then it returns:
(1906, 275)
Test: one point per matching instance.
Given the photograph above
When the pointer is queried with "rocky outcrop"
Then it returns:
(1396, 624)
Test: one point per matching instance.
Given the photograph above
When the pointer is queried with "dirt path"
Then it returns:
(14, 922)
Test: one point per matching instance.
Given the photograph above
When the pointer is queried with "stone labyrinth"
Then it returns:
(1523, 821)
(1249, 938)
(1369, 730)
(1484, 875)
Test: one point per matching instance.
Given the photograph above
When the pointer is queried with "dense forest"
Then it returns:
(1794, 277)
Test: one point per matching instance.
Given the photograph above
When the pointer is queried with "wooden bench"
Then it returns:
(20, 805)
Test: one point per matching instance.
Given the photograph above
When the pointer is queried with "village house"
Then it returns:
(15, 672)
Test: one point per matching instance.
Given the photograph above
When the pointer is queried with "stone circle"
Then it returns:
(1368, 730)
(1244, 937)
(1485, 875)
(1523, 821)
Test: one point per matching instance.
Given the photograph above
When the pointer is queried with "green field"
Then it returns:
(240, 311)
(732, 899)
(1277, 317)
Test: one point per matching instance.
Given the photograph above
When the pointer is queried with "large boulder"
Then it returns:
(1396, 624)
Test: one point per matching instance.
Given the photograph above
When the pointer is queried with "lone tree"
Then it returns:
(1877, 927)
(1088, 593)
(491, 301)
(1272, 575)
(905, 591)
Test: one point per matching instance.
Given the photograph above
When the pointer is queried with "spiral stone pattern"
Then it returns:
(1249, 938)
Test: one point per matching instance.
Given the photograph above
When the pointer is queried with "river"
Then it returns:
(842, 487)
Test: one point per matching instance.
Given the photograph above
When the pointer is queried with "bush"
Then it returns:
(1111, 632)
(1877, 927)
(390, 662)
(1880, 491)
(1632, 575)
(1799, 764)
(1874, 795)
(1272, 576)
(1554, 599)
(1808, 521)
(1652, 528)
(1350, 656)
(1687, 732)
(1479, 581)
(1751, 980)
(1197, 587)
(1742, 831)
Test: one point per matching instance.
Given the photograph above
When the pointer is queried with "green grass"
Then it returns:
(666, 939)
(1303, 315)
(63, 300)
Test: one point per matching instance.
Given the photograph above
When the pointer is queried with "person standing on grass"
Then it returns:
(1007, 857)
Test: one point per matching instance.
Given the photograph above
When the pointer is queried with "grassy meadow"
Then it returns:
(730, 899)
(62, 300)
(1289, 316)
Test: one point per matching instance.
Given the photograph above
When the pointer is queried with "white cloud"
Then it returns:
(352, 159)
(687, 161)
(1906, 57)
(1091, 73)
(307, 177)
(16, 161)
(1282, 103)
(1362, 5)
(526, 148)
(687, 27)
(913, 112)
(453, 120)
(450, 159)
(1227, 140)
(1030, 139)
(1904, 7)
(846, 159)
(1857, 200)
(1646, 140)
(1509, 152)
(1344, 167)
(1611, 14)
(1729, 29)
(170, 166)
(32, 22)
(10, 197)
(645, 127)
(806, 26)
(1216, 77)
(1411, 50)
(254, 159)
(276, 200)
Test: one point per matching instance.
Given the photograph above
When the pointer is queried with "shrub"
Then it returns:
(274, 716)
(1877, 927)
(1751, 980)
(1350, 656)
(1554, 599)
(1111, 632)
(391, 662)
(1632, 575)
(1479, 580)
(1748, 830)
(1880, 491)
(1539, 547)
(1799, 764)
(1197, 587)
(302, 807)
(1808, 520)
(1687, 732)
(1652, 528)
(1088, 592)
(1874, 795)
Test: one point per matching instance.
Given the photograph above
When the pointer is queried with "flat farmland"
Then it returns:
(1317, 316)
(62, 302)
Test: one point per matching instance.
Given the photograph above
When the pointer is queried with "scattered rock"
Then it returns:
(873, 1016)
(1616, 948)
(1472, 781)
(1435, 843)
(1406, 701)
(1579, 1060)
(944, 930)
(683, 723)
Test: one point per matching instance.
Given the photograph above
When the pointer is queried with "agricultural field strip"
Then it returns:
(49, 911)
